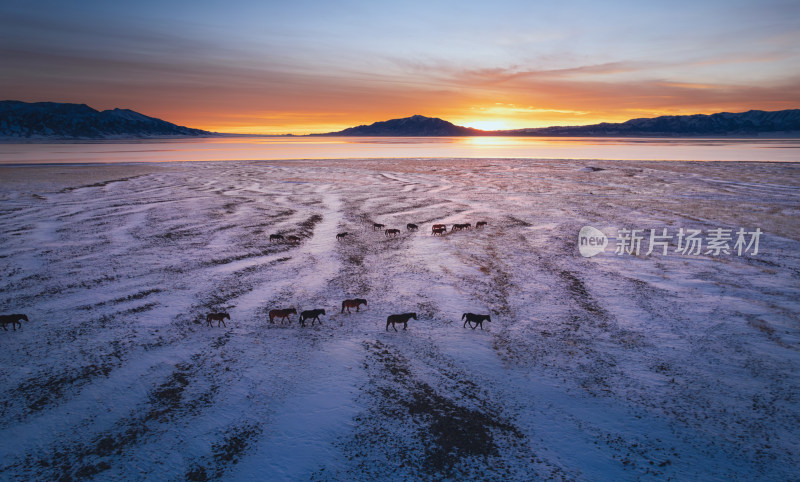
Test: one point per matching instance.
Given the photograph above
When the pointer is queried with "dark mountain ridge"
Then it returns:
(751, 123)
(54, 120)
(413, 126)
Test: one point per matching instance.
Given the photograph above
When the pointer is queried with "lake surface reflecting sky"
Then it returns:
(279, 148)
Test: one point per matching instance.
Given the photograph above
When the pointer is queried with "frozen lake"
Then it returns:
(271, 148)
(617, 367)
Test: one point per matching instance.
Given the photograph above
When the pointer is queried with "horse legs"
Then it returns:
(405, 325)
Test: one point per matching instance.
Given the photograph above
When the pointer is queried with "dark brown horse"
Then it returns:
(293, 239)
(342, 235)
(481, 224)
(13, 319)
(439, 231)
(218, 317)
(275, 237)
(473, 318)
(311, 315)
(376, 226)
(391, 232)
(403, 318)
(412, 227)
(355, 303)
(282, 314)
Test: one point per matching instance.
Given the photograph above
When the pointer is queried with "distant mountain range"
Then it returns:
(752, 123)
(60, 121)
(53, 120)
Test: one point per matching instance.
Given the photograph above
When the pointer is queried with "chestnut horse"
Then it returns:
(282, 314)
(311, 315)
(439, 228)
(439, 231)
(481, 224)
(218, 317)
(355, 303)
(394, 319)
(13, 319)
(473, 318)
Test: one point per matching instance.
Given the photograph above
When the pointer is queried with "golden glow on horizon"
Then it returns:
(489, 119)
(487, 125)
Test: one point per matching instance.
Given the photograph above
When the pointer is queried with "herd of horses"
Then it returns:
(438, 229)
(283, 315)
(313, 315)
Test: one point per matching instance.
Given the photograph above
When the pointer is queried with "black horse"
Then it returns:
(341, 235)
(377, 226)
(218, 317)
(473, 318)
(311, 315)
(394, 319)
(275, 237)
(13, 319)
(412, 227)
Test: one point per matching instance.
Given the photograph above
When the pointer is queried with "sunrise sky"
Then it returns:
(318, 66)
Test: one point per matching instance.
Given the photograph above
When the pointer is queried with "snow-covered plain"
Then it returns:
(606, 368)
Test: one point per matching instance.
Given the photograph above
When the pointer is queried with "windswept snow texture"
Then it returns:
(606, 368)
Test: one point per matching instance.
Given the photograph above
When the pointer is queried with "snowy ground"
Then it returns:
(604, 368)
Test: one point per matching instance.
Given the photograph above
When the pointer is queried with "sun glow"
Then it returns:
(487, 125)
